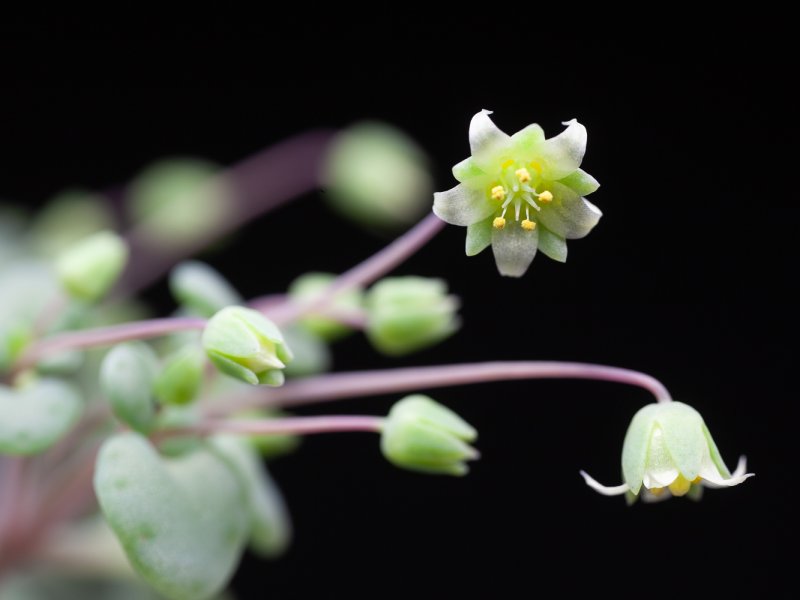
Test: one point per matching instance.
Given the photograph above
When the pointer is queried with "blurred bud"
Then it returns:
(422, 435)
(201, 289)
(405, 314)
(181, 377)
(311, 356)
(270, 524)
(179, 201)
(271, 445)
(378, 176)
(67, 219)
(309, 287)
(88, 269)
(14, 338)
(173, 416)
(127, 374)
(36, 416)
(244, 344)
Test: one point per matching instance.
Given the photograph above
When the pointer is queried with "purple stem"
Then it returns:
(287, 426)
(368, 383)
(261, 183)
(362, 274)
(105, 336)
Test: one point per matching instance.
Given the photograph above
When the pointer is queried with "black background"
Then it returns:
(688, 277)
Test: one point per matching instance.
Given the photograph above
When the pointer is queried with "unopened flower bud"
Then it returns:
(88, 269)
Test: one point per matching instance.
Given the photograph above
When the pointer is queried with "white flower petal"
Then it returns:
(486, 140)
(569, 215)
(461, 205)
(713, 478)
(479, 237)
(527, 140)
(657, 478)
(552, 245)
(616, 490)
(514, 248)
(563, 154)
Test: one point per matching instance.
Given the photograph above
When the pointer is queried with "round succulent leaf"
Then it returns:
(179, 520)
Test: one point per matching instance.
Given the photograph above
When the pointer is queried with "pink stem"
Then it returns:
(261, 183)
(368, 383)
(362, 274)
(290, 426)
(105, 336)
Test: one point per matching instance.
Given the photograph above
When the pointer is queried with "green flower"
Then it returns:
(669, 450)
(520, 192)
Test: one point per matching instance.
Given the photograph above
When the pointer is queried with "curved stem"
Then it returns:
(367, 383)
(287, 426)
(105, 336)
(362, 274)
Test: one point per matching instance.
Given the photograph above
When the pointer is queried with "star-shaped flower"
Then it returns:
(520, 193)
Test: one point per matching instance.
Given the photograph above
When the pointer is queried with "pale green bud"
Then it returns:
(308, 287)
(88, 269)
(201, 289)
(127, 374)
(668, 451)
(179, 201)
(244, 344)
(378, 176)
(422, 435)
(181, 377)
(405, 314)
(14, 338)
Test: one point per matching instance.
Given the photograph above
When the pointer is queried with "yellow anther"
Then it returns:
(536, 166)
(507, 164)
(680, 486)
(697, 479)
(523, 175)
(498, 192)
(546, 196)
(656, 491)
(499, 223)
(528, 225)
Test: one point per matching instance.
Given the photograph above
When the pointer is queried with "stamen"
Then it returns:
(528, 225)
(523, 175)
(530, 201)
(545, 196)
(498, 192)
(499, 223)
(680, 486)
(657, 491)
(517, 206)
(507, 164)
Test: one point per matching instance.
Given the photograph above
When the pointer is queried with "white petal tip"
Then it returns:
(741, 467)
(486, 111)
(568, 123)
(616, 490)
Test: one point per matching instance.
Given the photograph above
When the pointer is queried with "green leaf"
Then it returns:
(201, 289)
(35, 417)
(181, 378)
(126, 378)
(271, 527)
(179, 520)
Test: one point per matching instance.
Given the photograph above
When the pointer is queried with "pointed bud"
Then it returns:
(308, 287)
(422, 435)
(244, 344)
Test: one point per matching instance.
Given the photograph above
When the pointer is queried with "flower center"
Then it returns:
(515, 190)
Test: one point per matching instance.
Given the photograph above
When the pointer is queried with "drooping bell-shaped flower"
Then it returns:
(520, 193)
(668, 451)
